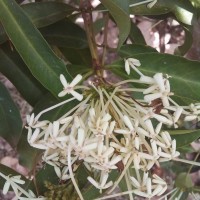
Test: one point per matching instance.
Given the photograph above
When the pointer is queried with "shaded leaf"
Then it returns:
(136, 35)
(131, 49)
(185, 139)
(46, 13)
(65, 34)
(10, 119)
(120, 12)
(77, 56)
(13, 67)
(184, 74)
(34, 50)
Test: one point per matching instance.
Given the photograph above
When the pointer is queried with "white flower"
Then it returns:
(69, 88)
(132, 62)
(102, 183)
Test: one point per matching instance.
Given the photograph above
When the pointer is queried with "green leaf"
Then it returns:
(13, 67)
(131, 49)
(184, 181)
(34, 50)
(77, 56)
(46, 13)
(42, 14)
(98, 25)
(120, 12)
(136, 35)
(65, 34)
(186, 139)
(10, 119)
(184, 74)
(183, 10)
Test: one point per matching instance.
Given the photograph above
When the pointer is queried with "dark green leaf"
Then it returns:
(184, 74)
(13, 67)
(10, 119)
(131, 49)
(65, 34)
(183, 10)
(46, 13)
(186, 139)
(98, 25)
(77, 56)
(136, 35)
(34, 50)
(120, 12)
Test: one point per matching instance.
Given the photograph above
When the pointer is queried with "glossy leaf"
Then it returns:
(183, 10)
(46, 13)
(131, 49)
(10, 119)
(184, 74)
(120, 12)
(65, 34)
(184, 181)
(42, 14)
(34, 50)
(136, 35)
(77, 56)
(185, 139)
(13, 67)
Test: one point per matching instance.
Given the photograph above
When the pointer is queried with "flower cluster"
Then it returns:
(114, 127)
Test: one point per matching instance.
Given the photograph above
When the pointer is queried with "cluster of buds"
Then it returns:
(112, 129)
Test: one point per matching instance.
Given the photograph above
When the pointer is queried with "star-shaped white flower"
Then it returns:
(69, 87)
(132, 62)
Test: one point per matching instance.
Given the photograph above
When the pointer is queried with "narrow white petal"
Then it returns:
(109, 152)
(90, 147)
(58, 171)
(158, 128)
(151, 97)
(147, 79)
(137, 143)
(55, 127)
(121, 131)
(160, 81)
(81, 136)
(76, 80)
(162, 119)
(104, 178)
(62, 93)
(154, 147)
(135, 182)
(157, 190)
(149, 187)
(127, 67)
(63, 81)
(93, 182)
(115, 160)
(134, 61)
(6, 187)
(34, 137)
(190, 118)
(140, 193)
(128, 122)
(149, 126)
(76, 95)
(145, 156)
(150, 89)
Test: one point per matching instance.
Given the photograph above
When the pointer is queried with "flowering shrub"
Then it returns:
(96, 133)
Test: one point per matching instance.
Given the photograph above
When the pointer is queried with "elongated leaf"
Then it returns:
(46, 13)
(136, 35)
(13, 67)
(10, 119)
(34, 50)
(183, 10)
(42, 14)
(65, 34)
(184, 73)
(186, 139)
(131, 49)
(120, 12)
